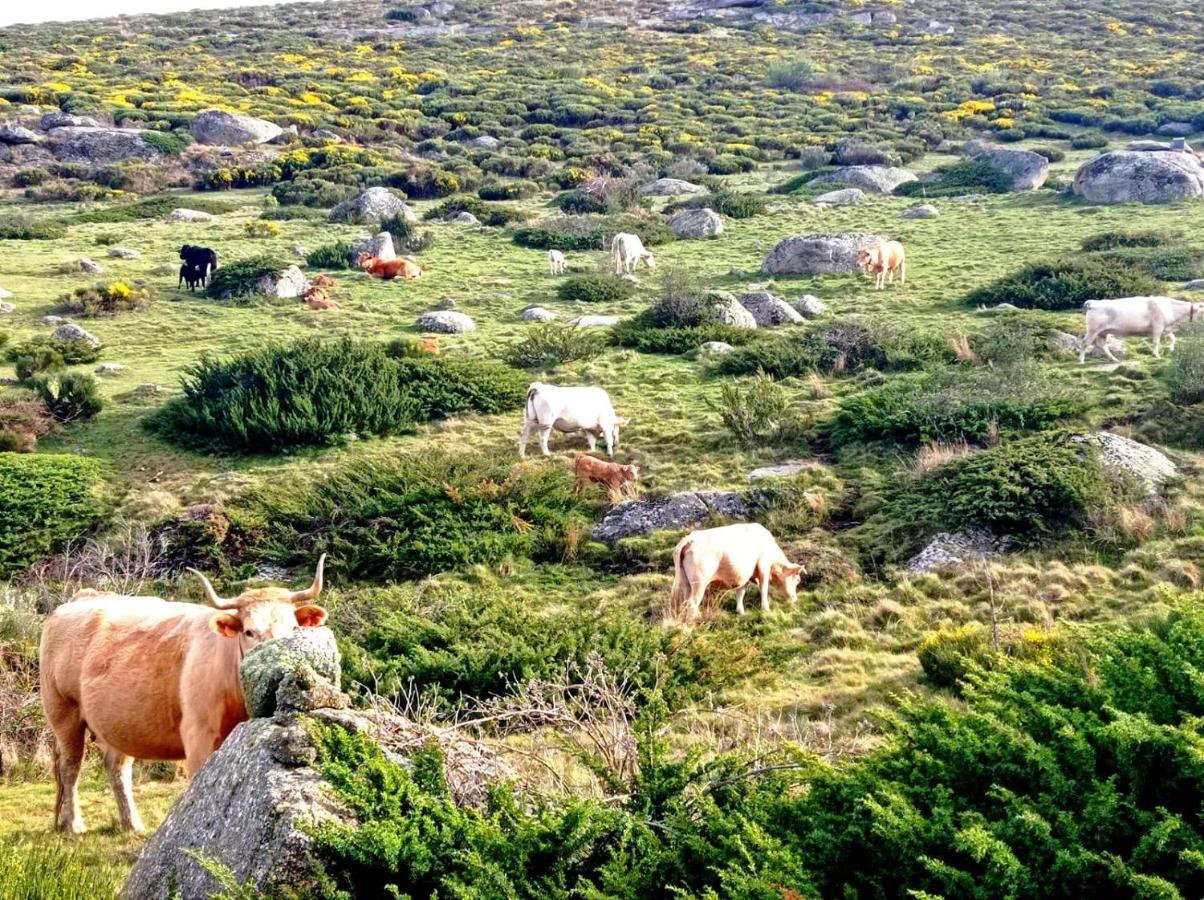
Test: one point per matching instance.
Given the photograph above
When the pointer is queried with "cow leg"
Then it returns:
(1088, 340)
(68, 759)
(765, 579)
(740, 599)
(121, 775)
(523, 437)
(544, 434)
(592, 440)
(610, 443)
(1170, 339)
(1156, 331)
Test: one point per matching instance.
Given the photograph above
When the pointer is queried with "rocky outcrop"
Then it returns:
(632, 518)
(594, 321)
(537, 314)
(921, 211)
(124, 253)
(372, 207)
(1177, 129)
(818, 254)
(950, 550)
(378, 245)
(59, 119)
(217, 126)
(730, 311)
(785, 469)
(267, 665)
(1026, 169)
(445, 321)
(715, 348)
(183, 214)
(71, 333)
(485, 142)
(1069, 343)
(12, 133)
(768, 310)
(1124, 457)
(810, 306)
(89, 266)
(100, 146)
(842, 197)
(1126, 176)
(288, 284)
(854, 151)
(671, 187)
(697, 223)
(464, 217)
(878, 179)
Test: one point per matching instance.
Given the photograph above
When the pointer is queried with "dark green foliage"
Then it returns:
(729, 164)
(1184, 374)
(547, 346)
(759, 413)
(1012, 337)
(239, 280)
(954, 405)
(794, 183)
(640, 333)
(315, 393)
(1088, 142)
(292, 214)
(949, 655)
(733, 204)
(151, 208)
(507, 190)
(31, 176)
(494, 214)
(591, 288)
(1117, 238)
(790, 76)
(18, 228)
(331, 256)
(964, 177)
(45, 501)
(70, 396)
(589, 232)
(1053, 154)
(406, 236)
(1161, 263)
(1064, 284)
(169, 143)
(43, 354)
(580, 203)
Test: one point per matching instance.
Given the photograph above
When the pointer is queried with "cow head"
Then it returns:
(364, 260)
(786, 576)
(629, 472)
(185, 250)
(650, 260)
(865, 259)
(263, 614)
(619, 422)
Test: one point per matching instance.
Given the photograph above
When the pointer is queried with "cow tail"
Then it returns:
(530, 408)
(679, 595)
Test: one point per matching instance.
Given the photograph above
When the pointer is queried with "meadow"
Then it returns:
(457, 574)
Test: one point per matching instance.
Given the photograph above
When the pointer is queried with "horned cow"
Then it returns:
(152, 679)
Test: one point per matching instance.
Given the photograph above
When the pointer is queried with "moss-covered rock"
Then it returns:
(269, 664)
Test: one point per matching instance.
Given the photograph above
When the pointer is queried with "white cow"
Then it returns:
(730, 558)
(567, 409)
(628, 250)
(556, 262)
(1128, 316)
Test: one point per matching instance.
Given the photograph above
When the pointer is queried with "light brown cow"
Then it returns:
(388, 268)
(589, 469)
(884, 260)
(729, 558)
(152, 679)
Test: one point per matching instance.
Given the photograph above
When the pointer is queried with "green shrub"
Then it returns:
(507, 190)
(1064, 284)
(106, 299)
(44, 354)
(316, 392)
(29, 868)
(19, 228)
(1161, 263)
(331, 256)
(733, 204)
(794, 75)
(151, 208)
(961, 178)
(729, 164)
(568, 233)
(406, 236)
(593, 288)
(758, 413)
(547, 346)
(580, 203)
(965, 404)
(239, 280)
(1184, 373)
(24, 420)
(31, 176)
(1124, 237)
(70, 396)
(1012, 337)
(949, 655)
(45, 501)
(169, 143)
(493, 214)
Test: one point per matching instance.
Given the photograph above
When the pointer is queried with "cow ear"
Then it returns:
(621, 422)
(797, 569)
(226, 625)
(310, 616)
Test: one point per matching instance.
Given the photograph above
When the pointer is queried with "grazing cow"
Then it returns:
(1128, 316)
(628, 250)
(388, 268)
(556, 262)
(729, 558)
(567, 409)
(190, 276)
(884, 260)
(202, 259)
(588, 469)
(152, 679)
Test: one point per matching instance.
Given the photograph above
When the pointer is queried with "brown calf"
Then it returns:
(590, 469)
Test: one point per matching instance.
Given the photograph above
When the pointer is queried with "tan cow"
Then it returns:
(884, 260)
(589, 469)
(152, 679)
(729, 558)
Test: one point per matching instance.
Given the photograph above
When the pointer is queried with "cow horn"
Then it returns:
(314, 589)
(211, 594)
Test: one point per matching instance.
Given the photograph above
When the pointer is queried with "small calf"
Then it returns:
(322, 281)
(428, 344)
(318, 298)
(191, 276)
(589, 469)
(556, 262)
(388, 268)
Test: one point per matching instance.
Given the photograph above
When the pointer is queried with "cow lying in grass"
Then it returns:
(1130, 316)
(388, 268)
(729, 558)
(591, 470)
(884, 260)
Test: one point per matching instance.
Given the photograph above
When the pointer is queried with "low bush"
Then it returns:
(507, 190)
(260, 228)
(1184, 374)
(568, 233)
(1064, 284)
(70, 396)
(1091, 141)
(19, 228)
(733, 204)
(547, 346)
(44, 354)
(965, 404)
(151, 208)
(24, 420)
(106, 300)
(316, 392)
(949, 655)
(406, 236)
(169, 143)
(1012, 337)
(1118, 237)
(759, 412)
(579, 202)
(1162, 263)
(730, 164)
(964, 177)
(331, 256)
(240, 280)
(642, 334)
(45, 501)
(594, 288)
(493, 214)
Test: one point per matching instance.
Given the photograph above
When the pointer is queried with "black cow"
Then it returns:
(190, 276)
(200, 259)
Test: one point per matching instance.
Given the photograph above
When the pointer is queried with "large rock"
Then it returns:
(265, 667)
(1177, 129)
(1127, 458)
(485, 142)
(841, 197)
(124, 253)
(769, 310)
(810, 306)
(671, 187)
(100, 146)
(786, 469)
(217, 126)
(71, 333)
(182, 214)
(464, 217)
(697, 223)
(537, 314)
(1026, 169)
(288, 284)
(595, 321)
(445, 321)
(954, 550)
(818, 254)
(920, 211)
(89, 266)
(879, 179)
(715, 348)
(1070, 343)
(59, 119)
(12, 133)
(372, 207)
(730, 311)
(379, 245)
(639, 517)
(1125, 176)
